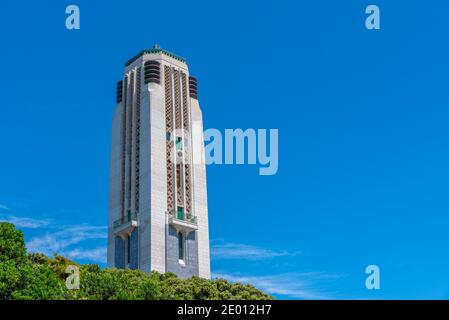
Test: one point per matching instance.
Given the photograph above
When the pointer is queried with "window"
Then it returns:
(181, 247)
(180, 213)
(128, 242)
(119, 91)
(178, 143)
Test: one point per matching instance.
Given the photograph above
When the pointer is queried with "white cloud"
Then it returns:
(66, 240)
(94, 255)
(30, 223)
(293, 285)
(62, 239)
(3, 207)
(247, 252)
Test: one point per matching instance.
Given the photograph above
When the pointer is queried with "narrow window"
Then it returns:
(181, 247)
(128, 241)
(178, 143)
(180, 213)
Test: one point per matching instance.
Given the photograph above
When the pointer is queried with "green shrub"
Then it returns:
(37, 277)
(38, 282)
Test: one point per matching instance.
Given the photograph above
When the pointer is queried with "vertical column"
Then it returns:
(129, 145)
(187, 146)
(137, 144)
(115, 178)
(123, 148)
(199, 182)
(134, 238)
(158, 174)
(169, 142)
(178, 126)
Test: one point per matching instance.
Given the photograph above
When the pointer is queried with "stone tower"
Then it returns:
(158, 217)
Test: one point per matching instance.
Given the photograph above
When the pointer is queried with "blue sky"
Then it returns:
(363, 135)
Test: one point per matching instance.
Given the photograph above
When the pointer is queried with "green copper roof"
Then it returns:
(155, 49)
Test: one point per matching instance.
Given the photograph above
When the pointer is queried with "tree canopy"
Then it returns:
(38, 277)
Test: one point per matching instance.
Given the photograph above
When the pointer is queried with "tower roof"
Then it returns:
(156, 49)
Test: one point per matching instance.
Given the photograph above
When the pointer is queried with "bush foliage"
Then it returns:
(38, 277)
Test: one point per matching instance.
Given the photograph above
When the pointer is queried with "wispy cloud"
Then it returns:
(293, 285)
(62, 239)
(227, 250)
(96, 254)
(3, 207)
(71, 241)
(29, 223)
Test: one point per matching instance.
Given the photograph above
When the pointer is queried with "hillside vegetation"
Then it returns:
(35, 277)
